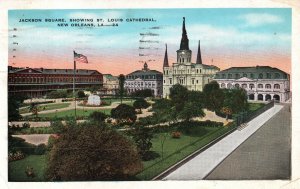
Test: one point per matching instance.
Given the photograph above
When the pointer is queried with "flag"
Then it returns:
(80, 58)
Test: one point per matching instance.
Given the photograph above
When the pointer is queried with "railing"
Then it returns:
(244, 117)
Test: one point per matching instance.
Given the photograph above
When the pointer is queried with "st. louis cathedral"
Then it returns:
(191, 75)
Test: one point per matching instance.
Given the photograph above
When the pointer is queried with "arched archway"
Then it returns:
(251, 96)
(276, 98)
(260, 97)
(268, 97)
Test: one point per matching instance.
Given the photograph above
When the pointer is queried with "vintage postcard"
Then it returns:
(144, 93)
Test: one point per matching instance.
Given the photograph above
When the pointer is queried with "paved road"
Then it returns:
(202, 165)
(264, 155)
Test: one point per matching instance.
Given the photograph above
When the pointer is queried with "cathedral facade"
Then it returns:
(191, 75)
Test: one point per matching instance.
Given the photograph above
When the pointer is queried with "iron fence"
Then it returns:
(244, 117)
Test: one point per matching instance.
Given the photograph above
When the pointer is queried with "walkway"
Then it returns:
(200, 166)
(265, 155)
(35, 138)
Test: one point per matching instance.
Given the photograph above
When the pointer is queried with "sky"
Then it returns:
(229, 37)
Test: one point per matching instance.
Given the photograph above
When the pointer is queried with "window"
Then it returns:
(237, 76)
(260, 76)
(277, 75)
(197, 71)
(229, 76)
(223, 85)
(237, 85)
(251, 86)
(260, 86)
(268, 86)
(223, 76)
(229, 85)
(164, 81)
(268, 76)
(276, 86)
(193, 81)
(244, 86)
(244, 75)
(197, 81)
(170, 81)
(252, 75)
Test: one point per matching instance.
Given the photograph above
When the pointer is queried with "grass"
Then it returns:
(16, 169)
(80, 112)
(46, 107)
(255, 106)
(177, 149)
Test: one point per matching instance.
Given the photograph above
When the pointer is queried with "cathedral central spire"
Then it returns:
(184, 44)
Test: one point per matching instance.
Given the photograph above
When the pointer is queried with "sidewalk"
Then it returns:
(199, 167)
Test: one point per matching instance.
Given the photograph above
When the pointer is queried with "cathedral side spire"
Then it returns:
(166, 62)
(199, 59)
(184, 44)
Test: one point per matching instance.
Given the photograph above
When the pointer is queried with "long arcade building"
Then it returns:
(262, 83)
(36, 82)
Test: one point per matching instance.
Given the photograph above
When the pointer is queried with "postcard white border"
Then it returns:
(101, 4)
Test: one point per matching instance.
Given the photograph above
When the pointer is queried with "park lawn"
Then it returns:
(44, 107)
(255, 106)
(177, 149)
(79, 112)
(16, 169)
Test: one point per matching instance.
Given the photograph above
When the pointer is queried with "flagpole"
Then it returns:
(74, 75)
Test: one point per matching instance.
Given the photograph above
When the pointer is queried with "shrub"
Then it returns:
(14, 156)
(124, 113)
(176, 134)
(25, 125)
(98, 116)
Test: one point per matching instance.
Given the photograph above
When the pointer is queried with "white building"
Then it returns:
(144, 79)
(110, 84)
(191, 75)
(262, 83)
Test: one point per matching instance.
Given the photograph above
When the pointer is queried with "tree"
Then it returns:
(140, 103)
(80, 94)
(92, 153)
(34, 109)
(227, 111)
(124, 112)
(236, 100)
(143, 93)
(14, 103)
(163, 110)
(121, 86)
(98, 117)
(62, 93)
(178, 96)
(191, 110)
(213, 96)
(142, 137)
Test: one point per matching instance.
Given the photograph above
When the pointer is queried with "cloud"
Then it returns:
(254, 20)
